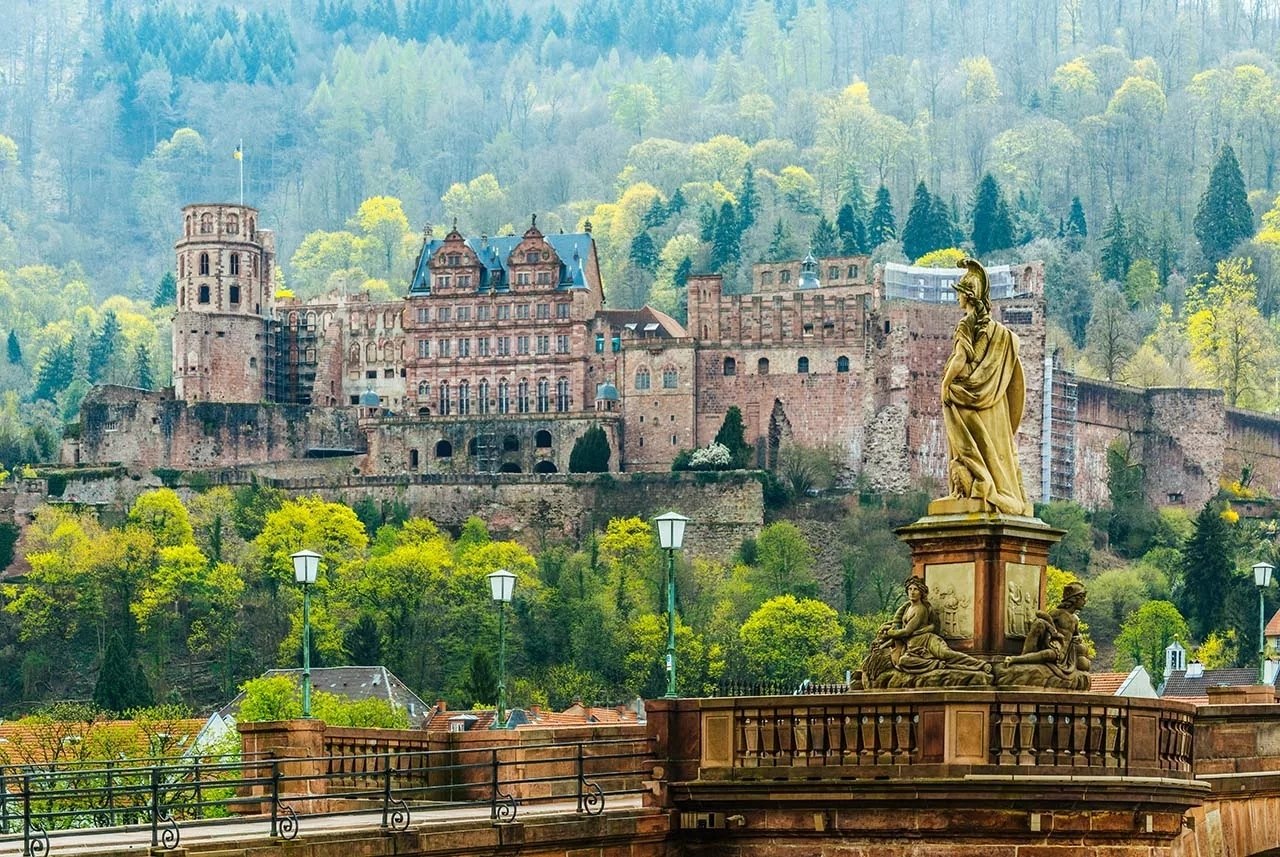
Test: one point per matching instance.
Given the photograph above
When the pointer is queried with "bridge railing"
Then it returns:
(155, 802)
(887, 733)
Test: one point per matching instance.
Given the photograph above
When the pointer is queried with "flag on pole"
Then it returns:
(239, 155)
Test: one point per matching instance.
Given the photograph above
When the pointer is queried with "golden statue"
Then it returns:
(982, 398)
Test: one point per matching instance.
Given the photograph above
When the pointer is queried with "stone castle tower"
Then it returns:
(222, 331)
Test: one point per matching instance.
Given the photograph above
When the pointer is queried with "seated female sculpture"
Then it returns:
(982, 397)
(908, 652)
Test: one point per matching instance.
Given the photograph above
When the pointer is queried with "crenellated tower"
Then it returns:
(222, 330)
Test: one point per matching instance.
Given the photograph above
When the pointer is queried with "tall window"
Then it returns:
(444, 399)
(522, 396)
(544, 395)
(204, 264)
(670, 379)
(464, 397)
(484, 396)
(642, 379)
(562, 394)
(504, 397)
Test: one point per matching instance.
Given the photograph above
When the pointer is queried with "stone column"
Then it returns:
(986, 576)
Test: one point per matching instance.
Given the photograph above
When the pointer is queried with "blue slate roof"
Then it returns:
(574, 250)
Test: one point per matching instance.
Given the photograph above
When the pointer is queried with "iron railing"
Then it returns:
(39, 805)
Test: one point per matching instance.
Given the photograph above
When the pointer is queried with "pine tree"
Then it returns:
(1116, 255)
(1207, 572)
(1224, 218)
(644, 255)
(726, 240)
(166, 291)
(748, 200)
(992, 229)
(102, 345)
(852, 231)
(1077, 230)
(121, 683)
(363, 643)
(143, 375)
(590, 452)
(15, 349)
(917, 235)
(882, 226)
(823, 241)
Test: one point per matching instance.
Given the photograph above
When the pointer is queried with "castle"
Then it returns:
(503, 351)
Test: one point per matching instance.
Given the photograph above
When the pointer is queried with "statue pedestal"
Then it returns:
(985, 572)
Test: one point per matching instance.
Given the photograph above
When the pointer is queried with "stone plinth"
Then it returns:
(986, 575)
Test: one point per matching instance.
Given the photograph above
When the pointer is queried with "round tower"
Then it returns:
(221, 330)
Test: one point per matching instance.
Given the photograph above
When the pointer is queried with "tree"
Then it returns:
(590, 452)
(1077, 229)
(788, 640)
(1231, 343)
(1208, 569)
(917, 235)
(785, 560)
(992, 228)
(121, 685)
(1116, 255)
(882, 227)
(166, 291)
(1223, 218)
(1146, 633)
(733, 436)
(14, 349)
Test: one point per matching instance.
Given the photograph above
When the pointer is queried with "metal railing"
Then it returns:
(39, 805)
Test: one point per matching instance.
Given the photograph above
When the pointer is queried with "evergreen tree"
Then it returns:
(1224, 218)
(167, 291)
(733, 436)
(121, 683)
(823, 241)
(882, 226)
(992, 229)
(15, 349)
(852, 231)
(1208, 572)
(102, 345)
(644, 255)
(143, 376)
(56, 371)
(726, 239)
(1076, 229)
(590, 452)
(1116, 255)
(363, 643)
(918, 234)
(748, 200)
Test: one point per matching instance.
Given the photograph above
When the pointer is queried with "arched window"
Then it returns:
(670, 378)
(206, 224)
(562, 394)
(522, 396)
(642, 379)
(511, 443)
(730, 366)
(464, 397)
(802, 366)
(444, 449)
(842, 363)
(484, 396)
(443, 408)
(762, 366)
(204, 264)
(504, 396)
(544, 467)
(544, 395)
(542, 439)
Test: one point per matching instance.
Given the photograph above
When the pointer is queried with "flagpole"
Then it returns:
(240, 149)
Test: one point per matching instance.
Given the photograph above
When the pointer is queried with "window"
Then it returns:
(204, 264)
(542, 439)
(464, 313)
(442, 348)
(642, 379)
(802, 366)
(464, 347)
(842, 363)
(670, 379)
(504, 397)
(562, 395)
(444, 449)
(235, 264)
(234, 293)
(444, 399)
(522, 344)
(562, 343)
(544, 344)
(504, 346)
(562, 310)
(762, 366)
(464, 397)
(484, 397)
(544, 395)
(482, 312)
(544, 310)
(504, 312)
(424, 348)
(522, 310)
(424, 314)
(599, 343)
(833, 273)
(784, 276)
(730, 366)
(522, 396)
(204, 294)
(482, 346)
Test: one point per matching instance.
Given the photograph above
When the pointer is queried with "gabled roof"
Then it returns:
(1179, 686)
(573, 248)
(354, 683)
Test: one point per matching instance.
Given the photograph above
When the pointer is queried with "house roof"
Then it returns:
(356, 684)
(1179, 686)
(40, 743)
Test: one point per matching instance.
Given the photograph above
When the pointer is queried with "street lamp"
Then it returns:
(1262, 578)
(501, 585)
(306, 564)
(671, 537)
